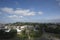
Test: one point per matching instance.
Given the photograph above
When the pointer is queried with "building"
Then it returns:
(19, 28)
(5, 28)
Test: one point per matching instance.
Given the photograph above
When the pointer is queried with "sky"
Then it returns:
(29, 11)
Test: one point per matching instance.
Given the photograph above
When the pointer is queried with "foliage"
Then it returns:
(52, 30)
(10, 34)
(35, 34)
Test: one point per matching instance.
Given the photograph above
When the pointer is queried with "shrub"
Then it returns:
(10, 34)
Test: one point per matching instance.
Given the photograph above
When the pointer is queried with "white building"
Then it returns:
(18, 28)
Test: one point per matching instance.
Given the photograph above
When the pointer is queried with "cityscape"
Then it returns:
(29, 19)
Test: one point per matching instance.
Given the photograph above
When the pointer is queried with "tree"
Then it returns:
(6, 35)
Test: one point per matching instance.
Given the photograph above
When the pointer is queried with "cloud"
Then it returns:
(14, 16)
(40, 13)
(24, 12)
(7, 10)
(18, 13)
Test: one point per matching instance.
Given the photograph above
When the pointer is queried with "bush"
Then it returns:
(7, 35)
(52, 30)
(35, 34)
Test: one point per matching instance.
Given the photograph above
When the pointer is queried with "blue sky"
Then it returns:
(29, 11)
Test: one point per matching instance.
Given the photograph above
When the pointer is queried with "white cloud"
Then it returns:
(18, 13)
(7, 10)
(14, 16)
(24, 12)
(40, 13)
